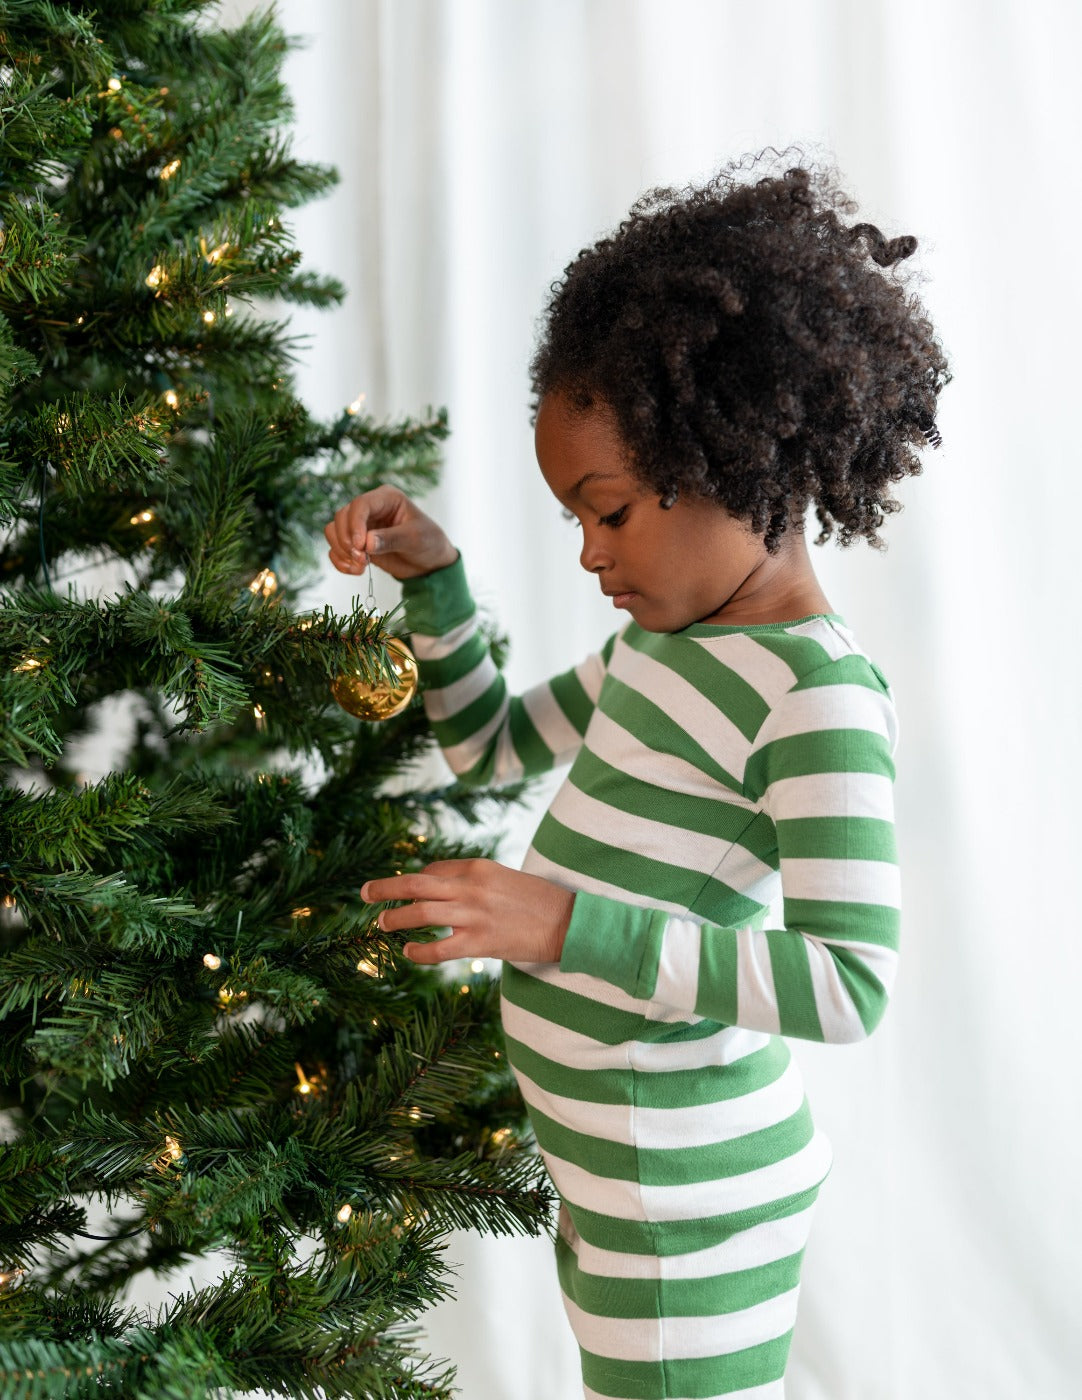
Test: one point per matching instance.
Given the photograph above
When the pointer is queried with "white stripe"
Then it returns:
(678, 965)
(678, 1338)
(766, 673)
(645, 836)
(619, 748)
(464, 755)
(436, 648)
(605, 993)
(696, 1200)
(579, 1051)
(667, 1129)
(756, 999)
(747, 1249)
(556, 730)
(591, 673)
(844, 706)
(838, 1016)
(832, 795)
(449, 700)
(700, 718)
(845, 881)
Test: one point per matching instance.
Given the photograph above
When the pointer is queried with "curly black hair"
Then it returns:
(755, 349)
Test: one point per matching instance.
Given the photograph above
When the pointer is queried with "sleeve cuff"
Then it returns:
(620, 943)
(437, 602)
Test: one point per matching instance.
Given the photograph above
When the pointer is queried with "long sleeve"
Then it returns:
(820, 769)
(486, 735)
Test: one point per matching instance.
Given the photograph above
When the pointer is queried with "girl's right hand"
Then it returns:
(385, 526)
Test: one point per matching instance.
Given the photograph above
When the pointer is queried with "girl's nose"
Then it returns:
(592, 556)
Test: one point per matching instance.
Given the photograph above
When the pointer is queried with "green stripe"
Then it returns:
(797, 1012)
(820, 751)
(575, 1013)
(694, 1297)
(637, 874)
(679, 1236)
(689, 1378)
(710, 816)
(675, 1166)
(673, 1088)
(718, 976)
(535, 754)
(693, 662)
(837, 838)
(572, 699)
(866, 923)
(445, 670)
(866, 990)
(846, 670)
(657, 730)
(801, 654)
(465, 724)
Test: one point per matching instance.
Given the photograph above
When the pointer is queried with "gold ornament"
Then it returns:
(379, 699)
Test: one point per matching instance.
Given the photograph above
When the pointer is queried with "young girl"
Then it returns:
(729, 357)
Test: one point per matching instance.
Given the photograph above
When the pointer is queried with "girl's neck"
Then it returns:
(780, 588)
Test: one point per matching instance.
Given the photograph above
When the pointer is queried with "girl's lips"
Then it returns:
(621, 600)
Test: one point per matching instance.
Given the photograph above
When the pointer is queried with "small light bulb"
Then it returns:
(344, 1212)
(168, 171)
(173, 1148)
(259, 714)
(8, 901)
(368, 967)
(304, 912)
(31, 663)
(209, 317)
(415, 1115)
(356, 406)
(265, 582)
(212, 960)
(170, 397)
(500, 1137)
(157, 277)
(464, 990)
(477, 965)
(143, 517)
(114, 85)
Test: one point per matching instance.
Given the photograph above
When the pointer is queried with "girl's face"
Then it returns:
(668, 568)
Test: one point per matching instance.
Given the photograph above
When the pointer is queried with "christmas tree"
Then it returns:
(208, 1050)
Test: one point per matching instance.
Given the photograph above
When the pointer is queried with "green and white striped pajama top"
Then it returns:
(727, 825)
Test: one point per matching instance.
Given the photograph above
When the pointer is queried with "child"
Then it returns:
(730, 356)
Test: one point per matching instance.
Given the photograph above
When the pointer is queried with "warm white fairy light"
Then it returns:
(344, 1213)
(171, 398)
(143, 517)
(209, 317)
(8, 902)
(157, 277)
(168, 171)
(500, 1137)
(477, 965)
(213, 255)
(464, 990)
(259, 714)
(114, 84)
(29, 663)
(415, 1115)
(356, 406)
(212, 960)
(265, 582)
(304, 912)
(368, 967)
(173, 1148)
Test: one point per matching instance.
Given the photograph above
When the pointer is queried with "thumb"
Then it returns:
(391, 539)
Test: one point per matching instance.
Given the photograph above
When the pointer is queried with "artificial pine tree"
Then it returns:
(207, 1048)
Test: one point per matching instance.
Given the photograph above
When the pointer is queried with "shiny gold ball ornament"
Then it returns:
(381, 698)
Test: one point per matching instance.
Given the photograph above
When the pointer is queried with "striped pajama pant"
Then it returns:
(711, 1323)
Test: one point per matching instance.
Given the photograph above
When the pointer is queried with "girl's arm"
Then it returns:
(821, 767)
(486, 735)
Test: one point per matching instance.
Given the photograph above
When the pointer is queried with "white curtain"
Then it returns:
(482, 143)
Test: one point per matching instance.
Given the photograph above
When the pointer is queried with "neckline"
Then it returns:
(720, 629)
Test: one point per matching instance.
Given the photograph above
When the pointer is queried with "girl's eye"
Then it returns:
(615, 519)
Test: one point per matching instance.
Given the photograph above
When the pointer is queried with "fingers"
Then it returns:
(351, 533)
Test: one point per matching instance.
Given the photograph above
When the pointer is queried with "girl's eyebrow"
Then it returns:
(592, 476)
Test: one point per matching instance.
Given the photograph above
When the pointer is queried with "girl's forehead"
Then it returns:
(577, 447)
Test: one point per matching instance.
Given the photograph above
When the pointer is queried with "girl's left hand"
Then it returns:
(491, 910)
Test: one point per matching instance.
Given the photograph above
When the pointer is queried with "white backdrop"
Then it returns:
(482, 143)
